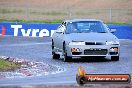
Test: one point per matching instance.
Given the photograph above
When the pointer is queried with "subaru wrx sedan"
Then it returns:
(84, 38)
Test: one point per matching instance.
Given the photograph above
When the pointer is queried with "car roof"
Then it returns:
(76, 20)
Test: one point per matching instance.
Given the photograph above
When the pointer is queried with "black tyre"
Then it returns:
(81, 80)
(114, 58)
(52, 45)
(54, 55)
(66, 58)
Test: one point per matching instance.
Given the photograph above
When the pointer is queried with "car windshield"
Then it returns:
(86, 27)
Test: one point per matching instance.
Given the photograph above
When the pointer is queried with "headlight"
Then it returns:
(77, 43)
(112, 43)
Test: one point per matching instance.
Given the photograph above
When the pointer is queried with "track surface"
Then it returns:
(39, 49)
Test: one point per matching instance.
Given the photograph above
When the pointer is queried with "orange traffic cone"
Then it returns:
(81, 71)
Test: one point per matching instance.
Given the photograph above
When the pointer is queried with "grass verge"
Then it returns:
(31, 21)
(119, 23)
(53, 21)
(8, 66)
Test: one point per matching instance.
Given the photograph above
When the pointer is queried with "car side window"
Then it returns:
(61, 28)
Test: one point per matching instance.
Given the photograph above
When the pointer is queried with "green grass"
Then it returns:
(7, 66)
(31, 21)
(119, 23)
(52, 21)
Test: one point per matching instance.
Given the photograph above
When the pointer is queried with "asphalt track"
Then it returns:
(39, 49)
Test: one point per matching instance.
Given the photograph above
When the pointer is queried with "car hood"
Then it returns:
(90, 37)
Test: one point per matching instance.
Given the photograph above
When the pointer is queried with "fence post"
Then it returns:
(110, 14)
(69, 13)
(27, 11)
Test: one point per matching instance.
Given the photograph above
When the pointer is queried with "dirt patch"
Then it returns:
(29, 69)
(51, 4)
(75, 86)
(107, 10)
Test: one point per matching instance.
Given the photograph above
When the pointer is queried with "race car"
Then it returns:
(84, 38)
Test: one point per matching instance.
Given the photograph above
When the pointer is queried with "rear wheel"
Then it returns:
(66, 58)
(54, 55)
(114, 58)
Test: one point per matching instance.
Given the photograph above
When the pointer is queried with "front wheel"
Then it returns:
(114, 58)
(54, 55)
(66, 58)
(81, 80)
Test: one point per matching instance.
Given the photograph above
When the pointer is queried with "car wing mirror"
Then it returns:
(112, 30)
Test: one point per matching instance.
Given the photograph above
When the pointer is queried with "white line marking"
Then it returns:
(125, 39)
(26, 44)
(43, 83)
(61, 82)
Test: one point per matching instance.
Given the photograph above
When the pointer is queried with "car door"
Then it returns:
(59, 36)
(55, 37)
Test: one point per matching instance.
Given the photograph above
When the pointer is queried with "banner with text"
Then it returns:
(45, 29)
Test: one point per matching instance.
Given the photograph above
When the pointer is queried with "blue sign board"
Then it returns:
(45, 29)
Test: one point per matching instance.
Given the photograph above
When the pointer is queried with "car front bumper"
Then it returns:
(92, 50)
